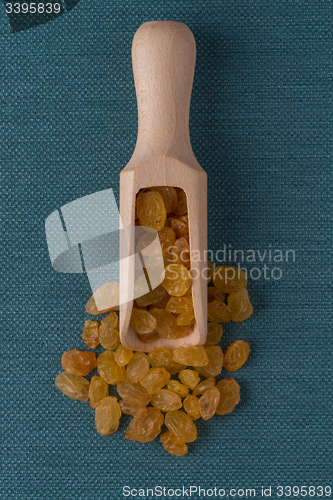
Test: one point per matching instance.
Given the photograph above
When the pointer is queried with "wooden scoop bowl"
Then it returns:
(163, 54)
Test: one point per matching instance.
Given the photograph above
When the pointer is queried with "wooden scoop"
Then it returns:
(163, 54)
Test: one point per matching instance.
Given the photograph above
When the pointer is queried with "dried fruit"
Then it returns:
(166, 322)
(191, 406)
(178, 388)
(182, 331)
(78, 362)
(236, 355)
(130, 408)
(98, 390)
(108, 332)
(107, 415)
(218, 312)
(152, 297)
(179, 226)
(104, 299)
(123, 355)
(169, 196)
(167, 238)
(177, 280)
(138, 367)
(90, 334)
(214, 294)
(214, 334)
(172, 445)
(161, 304)
(142, 321)
(181, 425)
(150, 209)
(229, 396)
(148, 338)
(108, 368)
(240, 304)
(190, 378)
(134, 393)
(181, 252)
(191, 356)
(185, 319)
(214, 366)
(181, 208)
(166, 400)
(145, 427)
(225, 278)
(162, 358)
(206, 384)
(178, 305)
(73, 386)
(208, 403)
(155, 379)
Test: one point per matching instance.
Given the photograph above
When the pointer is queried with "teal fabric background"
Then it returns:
(261, 126)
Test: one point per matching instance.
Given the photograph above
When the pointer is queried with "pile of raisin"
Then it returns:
(167, 311)
(161, 388)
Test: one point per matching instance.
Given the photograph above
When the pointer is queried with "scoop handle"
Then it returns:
(163, 56)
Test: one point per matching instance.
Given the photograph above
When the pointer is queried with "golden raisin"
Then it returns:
(166, 400)
(148, 338)
(161, 304)
(156, 295)
(183, 331)
(162, 358)
(78, 362)
(123, 355)
(214, 294)
(181, 252)
(130, 408)
(208, 403)
(90, 335)
(107, 415)
(215, 363)
(214, 334)
(240, 304)
(178, 388)
(218, 312)
(178, 305)
(73, 386)
(155, 379)
(108, 368)
(108, 332)
(206, 384)
(191, 406)
(236, 355)
(138, 367)
(179, 226)
(146, 426)
(167, 238)
(98, 390)
(190, 378)
(225, 278)
(181, 208)
(172, 445)
(142, 321)
(182, 426)
(104, 299)
(177, 280)
(185, 319)
(169, 196)
(166, 322)
(150, 209)
(191, 356)
(229, 396)
(134, 393)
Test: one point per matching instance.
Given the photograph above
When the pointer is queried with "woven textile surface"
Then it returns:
(261, 126)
